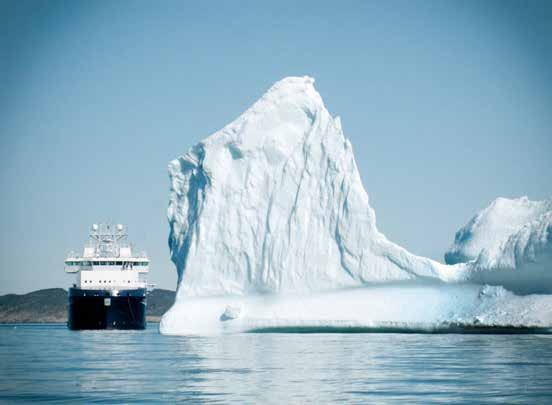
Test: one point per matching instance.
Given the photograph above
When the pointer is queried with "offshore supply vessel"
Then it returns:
(111, 286)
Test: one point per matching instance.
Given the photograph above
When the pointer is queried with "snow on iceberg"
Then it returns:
(269, 213)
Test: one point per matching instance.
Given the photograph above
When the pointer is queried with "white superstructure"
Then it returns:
(108, 261)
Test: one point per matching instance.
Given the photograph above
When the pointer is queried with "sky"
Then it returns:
(448, 105)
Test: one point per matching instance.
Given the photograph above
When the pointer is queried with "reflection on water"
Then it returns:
(52, 363)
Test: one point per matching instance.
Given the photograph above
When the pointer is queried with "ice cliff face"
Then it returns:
(510, 243)
(274, 202)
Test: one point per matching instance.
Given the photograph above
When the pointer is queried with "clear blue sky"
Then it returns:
(448, 105)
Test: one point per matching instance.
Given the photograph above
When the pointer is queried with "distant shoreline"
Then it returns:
(50, 306)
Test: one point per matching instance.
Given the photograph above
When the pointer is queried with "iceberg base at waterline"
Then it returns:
(435, 308)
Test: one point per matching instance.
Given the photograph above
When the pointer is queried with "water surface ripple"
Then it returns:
(51, 363)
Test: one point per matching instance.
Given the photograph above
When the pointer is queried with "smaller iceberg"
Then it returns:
(493, 225)
(509, 243)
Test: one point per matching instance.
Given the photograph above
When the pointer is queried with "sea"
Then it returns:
(49, 363)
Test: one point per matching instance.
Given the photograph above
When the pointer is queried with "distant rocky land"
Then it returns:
(50, 306)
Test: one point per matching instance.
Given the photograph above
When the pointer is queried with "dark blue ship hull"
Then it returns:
(102, 309)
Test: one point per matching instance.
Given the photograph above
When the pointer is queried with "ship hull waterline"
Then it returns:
(106, 309)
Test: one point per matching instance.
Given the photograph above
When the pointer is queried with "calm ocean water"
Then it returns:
(51, 363)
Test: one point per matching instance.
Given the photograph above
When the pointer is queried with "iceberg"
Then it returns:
(492, 226)
(508, 243)
(270, 226)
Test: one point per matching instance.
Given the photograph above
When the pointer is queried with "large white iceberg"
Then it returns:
(270, 225)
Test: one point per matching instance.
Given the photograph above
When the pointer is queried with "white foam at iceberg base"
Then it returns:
(408, 306)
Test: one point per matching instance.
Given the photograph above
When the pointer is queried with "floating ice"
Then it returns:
(269, 215)
(274, 202)
(511, 245)
(492, 226)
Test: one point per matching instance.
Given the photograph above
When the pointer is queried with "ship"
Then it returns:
(111, 288)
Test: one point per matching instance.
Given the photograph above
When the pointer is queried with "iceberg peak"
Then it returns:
(276, 123)
(299, 89)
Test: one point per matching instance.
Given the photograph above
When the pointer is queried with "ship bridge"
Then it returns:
(108, 261)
